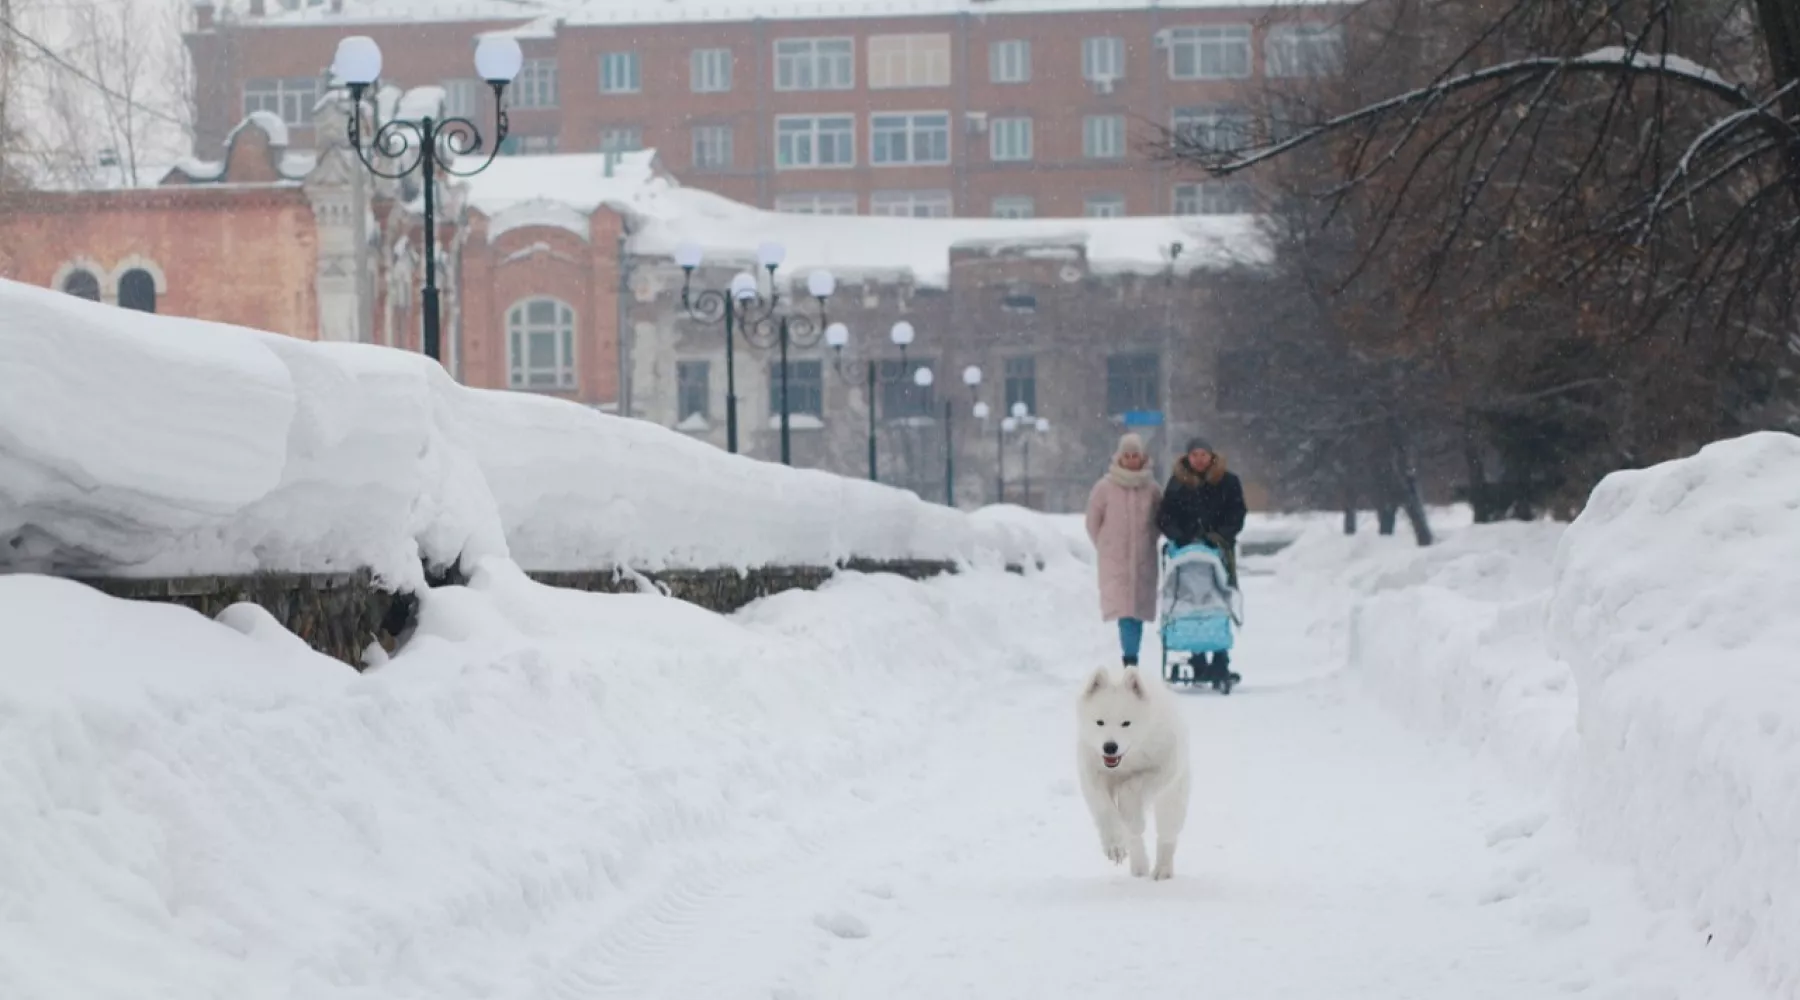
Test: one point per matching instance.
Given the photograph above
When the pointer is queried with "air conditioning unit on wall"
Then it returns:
(975, 122)
(1104, 84)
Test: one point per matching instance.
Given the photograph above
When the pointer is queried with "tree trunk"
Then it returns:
(1349, 520)
(1779, 21)
(1387, 518)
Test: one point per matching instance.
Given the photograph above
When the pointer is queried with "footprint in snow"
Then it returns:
(1521, 828)
(880, 890)
(841, 924)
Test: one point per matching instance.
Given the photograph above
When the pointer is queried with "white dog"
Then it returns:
(1132, 755)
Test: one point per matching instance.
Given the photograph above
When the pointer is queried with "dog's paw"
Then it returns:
(1115, 852)
(1162, 872)
(1139, 865)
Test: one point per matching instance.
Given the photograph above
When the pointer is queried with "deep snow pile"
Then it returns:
(1640, 664)
(208, 811)
(135, 444)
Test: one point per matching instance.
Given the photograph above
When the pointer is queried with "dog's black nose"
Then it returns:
(1111, 749)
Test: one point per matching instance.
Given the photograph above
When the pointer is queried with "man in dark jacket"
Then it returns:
(1204, 502)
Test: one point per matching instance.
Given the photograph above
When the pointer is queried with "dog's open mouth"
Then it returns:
(1111, 760)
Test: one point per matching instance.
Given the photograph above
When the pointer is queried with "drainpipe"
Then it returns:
(626, 334)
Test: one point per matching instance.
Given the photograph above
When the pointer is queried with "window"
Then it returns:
(909, 138)
(805, 388)
(1021, 384)
(712, 147)
(823, 203)
(1131, 382)
(1019, 299)
(916, 204)
(1014, 206)
(1102, 58)
(900, 61)
(1103, 137)
(825, 141)
(292, 99)
(82, 285)
(1216, 130)
(137, 290)
(540, 345)
(535, 86)
(463, 98)
(1010, 61)
(1219, 52)
(527, 145)
(621, 139)
(815, 64)
(710, 71)
(619, 73)
(1105, 206)
(1303, 50)
(901, 397)
(1214, 198)
(693, 390)
(1009, 140)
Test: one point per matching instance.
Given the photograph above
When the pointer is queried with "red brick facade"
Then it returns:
(660, 108)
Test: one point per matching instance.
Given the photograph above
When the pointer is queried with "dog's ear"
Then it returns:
(1134, 681)
(1099, 682)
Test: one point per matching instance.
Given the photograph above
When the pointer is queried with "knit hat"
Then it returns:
(1130, 444)
(1198, 443)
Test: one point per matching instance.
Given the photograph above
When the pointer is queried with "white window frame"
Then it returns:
(717, 139)
(1009, 61)
(621, 73)
(635, 132)
(1225, 129)
(909, 62)
(1014, 206)
(1010, 140)
(463, 97)
(1103, 137)
(1214, 198)
(710, 71)
(1292, 51)
(1217, 42)
(818, 203)
(1104, 206)
(562, 375)
(835, 70)
(290, 98)
(813, 134)
(907, 204)
(535, 86)
(1102, 57)
(912, 131)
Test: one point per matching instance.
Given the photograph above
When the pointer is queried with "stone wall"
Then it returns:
(340, 615)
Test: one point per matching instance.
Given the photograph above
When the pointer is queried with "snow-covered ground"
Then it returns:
(866, 791)
(139, 445)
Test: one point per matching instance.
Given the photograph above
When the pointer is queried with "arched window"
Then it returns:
(137, 290)
(83, 285)
(540, 345)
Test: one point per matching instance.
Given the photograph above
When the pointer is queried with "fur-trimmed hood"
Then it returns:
(1215, 473)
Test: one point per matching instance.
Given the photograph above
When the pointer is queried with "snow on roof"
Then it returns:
(603, 12)
(270, 123)
(562, 190)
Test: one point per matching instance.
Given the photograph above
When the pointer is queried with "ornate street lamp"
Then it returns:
(427, 145)
(741, 308)
(837, 336)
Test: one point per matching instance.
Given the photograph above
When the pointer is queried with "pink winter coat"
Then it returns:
(1121, 521)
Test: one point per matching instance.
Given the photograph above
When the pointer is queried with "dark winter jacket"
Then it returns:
(1209, 508)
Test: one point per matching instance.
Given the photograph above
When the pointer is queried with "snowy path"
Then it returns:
(1329, 854)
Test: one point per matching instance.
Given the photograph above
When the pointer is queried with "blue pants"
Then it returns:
(1131, 637)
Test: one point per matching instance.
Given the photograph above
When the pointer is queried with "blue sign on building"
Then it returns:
(1143, 418)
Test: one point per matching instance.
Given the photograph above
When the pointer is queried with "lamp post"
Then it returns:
(1011, 423)
(427, 145)
(741, 308)
(972, 379)
(837, 335)
(1042, 426)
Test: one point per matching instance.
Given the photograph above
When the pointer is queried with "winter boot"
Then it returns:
(1130, 661)
(1221, 663)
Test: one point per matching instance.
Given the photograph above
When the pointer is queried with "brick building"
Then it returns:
(1009, 108)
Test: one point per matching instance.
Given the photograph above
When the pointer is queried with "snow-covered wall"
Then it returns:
(1644, 664)
(141, 445)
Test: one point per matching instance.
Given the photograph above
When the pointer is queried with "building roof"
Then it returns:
(609, 12)
(562, 191)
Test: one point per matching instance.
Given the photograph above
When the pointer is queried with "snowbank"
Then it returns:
(133, 444)
(1640, 665)
(200, 809)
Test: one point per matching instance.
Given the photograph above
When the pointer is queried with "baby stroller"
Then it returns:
(1198, 607)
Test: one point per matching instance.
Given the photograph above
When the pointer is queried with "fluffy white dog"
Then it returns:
(1132, 755)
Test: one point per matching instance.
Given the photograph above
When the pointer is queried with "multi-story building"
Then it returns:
(1011, 108)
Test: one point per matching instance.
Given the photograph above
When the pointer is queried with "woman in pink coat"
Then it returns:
(1121, 521)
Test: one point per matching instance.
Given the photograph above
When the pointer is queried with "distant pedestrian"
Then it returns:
(1204, 502)
(1121, 522)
